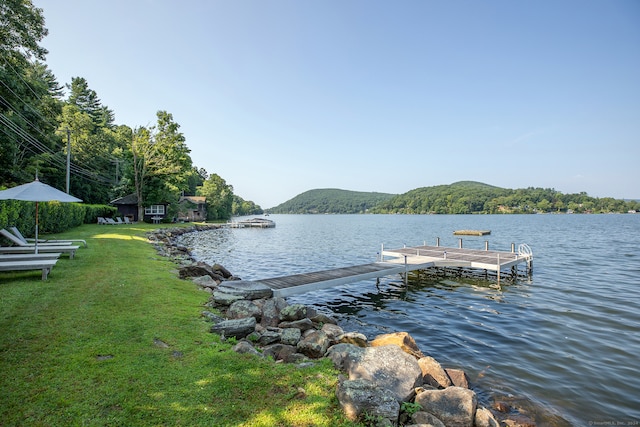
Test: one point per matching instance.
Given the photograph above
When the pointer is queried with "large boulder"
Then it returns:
(343, 354)
(390, 368)
(271, 311)
(224, 299)
(198, 270)
(314, 345)
(290, 336)
(243, 308)
(359, 397)
(433, 373)
(293, 312)
(401, 339)
(238, 328)
(454, 406)
(246, 289)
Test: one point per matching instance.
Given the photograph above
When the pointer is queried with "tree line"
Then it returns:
(468, 197)
(42, 121)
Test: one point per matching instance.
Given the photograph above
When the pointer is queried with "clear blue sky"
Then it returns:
(280, 97)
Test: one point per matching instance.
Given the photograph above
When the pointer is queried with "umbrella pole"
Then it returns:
(36, 227)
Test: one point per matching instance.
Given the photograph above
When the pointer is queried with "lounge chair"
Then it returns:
(101, 221)
(29, 257)
(16, 241)
(119, 221)
(64, 249)
(127, 220)
(19, 235)
(110, 221)
(45, 265)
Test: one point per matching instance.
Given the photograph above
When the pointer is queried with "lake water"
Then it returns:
(564, 345)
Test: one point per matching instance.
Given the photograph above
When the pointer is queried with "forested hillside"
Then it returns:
(467, 197)
(42, 122)
(331, 200)
(464, 197)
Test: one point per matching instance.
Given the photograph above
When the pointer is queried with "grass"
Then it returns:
(84, 348)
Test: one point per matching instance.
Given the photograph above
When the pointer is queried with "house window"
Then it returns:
(154, 210)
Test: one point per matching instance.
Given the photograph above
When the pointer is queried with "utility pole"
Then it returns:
(68, 158)
(117, 162)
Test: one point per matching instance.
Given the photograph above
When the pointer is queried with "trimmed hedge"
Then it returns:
(53, 217)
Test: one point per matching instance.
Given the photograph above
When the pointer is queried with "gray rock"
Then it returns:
(222, 271)
(360, 397)
(243, 308)
(270, 314)
(212, 317)
(332, 331)
(342, 354)
(293, 312)
(268, 337)
(238, 328)
(244, 347)
(205, 282)
(322, 318)
(198, 270)
(279, 351)
(390, 368)
(485, 418)
(425, 419)
(355, 338)
(224, 299)
(290, 336)
(454, 406)
(302, 324)
(246, 289)
(314, 345)
(433, 373)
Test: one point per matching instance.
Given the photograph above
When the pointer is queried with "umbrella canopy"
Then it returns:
(36, 191)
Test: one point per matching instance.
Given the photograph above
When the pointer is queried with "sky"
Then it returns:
(284, 96)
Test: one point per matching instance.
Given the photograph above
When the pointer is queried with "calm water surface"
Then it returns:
(564, 345)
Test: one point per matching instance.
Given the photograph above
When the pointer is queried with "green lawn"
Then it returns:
(85, 348)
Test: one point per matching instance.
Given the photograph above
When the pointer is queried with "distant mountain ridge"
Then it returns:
(331, 200)
(463, 197)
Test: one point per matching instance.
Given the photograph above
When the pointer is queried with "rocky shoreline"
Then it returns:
(387, 381)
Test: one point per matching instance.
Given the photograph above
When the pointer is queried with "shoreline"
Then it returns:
(509, 410)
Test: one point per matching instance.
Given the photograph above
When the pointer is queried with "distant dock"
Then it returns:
(252, 223)
(407, 259)
(471, 232)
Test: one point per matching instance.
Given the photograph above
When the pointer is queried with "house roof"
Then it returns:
(194, 199)
(130, 199)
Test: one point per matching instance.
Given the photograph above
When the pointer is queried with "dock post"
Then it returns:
(406, 271)
(513, 247)
(437, 241)
(381, 252)
(486, 245)
(460, 243)
(498, 268)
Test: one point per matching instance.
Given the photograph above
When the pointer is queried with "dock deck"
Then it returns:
(401, 261)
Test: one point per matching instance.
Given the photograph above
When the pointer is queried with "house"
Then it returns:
(193, 208)
(128, 206)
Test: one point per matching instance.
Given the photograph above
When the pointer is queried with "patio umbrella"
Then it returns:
(36, 191)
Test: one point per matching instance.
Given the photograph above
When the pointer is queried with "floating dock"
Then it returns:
(405, 260)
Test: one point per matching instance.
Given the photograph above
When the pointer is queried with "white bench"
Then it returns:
(44, 265)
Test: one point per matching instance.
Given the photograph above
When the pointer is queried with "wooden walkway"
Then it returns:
(401, 261)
